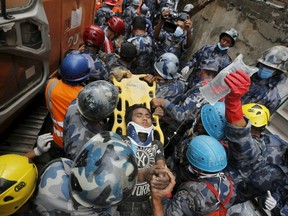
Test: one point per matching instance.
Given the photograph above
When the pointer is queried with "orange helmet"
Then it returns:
(116, 24)
(94, 34)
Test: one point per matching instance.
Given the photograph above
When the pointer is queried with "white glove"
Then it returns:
(185, 70)
(43, 144)
(270, 202)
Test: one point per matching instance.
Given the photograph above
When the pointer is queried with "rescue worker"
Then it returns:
(43, 145)
(144, 12)
(150, 161)
(101, 176)
(115, 28)
(170, 84)
(18, 179)
(249, 165)
(86, 115)
(178, 41)
(273, 69)
(207, 189)
(60, 92)
(184, 111)
(104, 13)
(119, 65)
(128, 16)
(145, 47)
(210, 121)
(217, 52)
(93, 38)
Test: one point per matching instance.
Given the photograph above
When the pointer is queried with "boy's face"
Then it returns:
(142, 116)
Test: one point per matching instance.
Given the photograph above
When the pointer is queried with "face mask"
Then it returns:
(265, 73)
(222, 48)
(178, 32)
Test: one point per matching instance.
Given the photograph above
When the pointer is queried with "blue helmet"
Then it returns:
(207, 154)
(104, 171)
(75, 67)
(167, 66)
(213, 119)
(97, 100)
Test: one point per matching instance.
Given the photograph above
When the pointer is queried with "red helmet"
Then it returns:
(94, 34)
(116, 24)
(111, 2)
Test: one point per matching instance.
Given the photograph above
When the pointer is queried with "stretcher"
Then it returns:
(134, 90)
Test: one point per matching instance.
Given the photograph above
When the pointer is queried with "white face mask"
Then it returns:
(178, 32)
(222, 48)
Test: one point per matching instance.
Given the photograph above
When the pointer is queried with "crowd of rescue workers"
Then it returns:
(214, 157)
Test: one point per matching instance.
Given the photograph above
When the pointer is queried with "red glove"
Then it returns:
(239, 83)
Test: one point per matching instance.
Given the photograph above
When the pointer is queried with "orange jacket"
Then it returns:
(58, 97)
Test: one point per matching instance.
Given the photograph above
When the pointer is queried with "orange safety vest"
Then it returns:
(222, 211)
(58, 96)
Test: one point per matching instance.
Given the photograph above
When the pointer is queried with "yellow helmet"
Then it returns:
(258, 114)
(18, 178)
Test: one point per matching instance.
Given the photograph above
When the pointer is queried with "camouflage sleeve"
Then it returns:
(181, 204)
(159, 151)
(185, 110)
(243, 151)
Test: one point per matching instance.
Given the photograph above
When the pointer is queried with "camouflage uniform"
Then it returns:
(103, 15)
(195, 198)
(99, 71)
(152, 5)
(145, 54)
(206, 52)
(249, 164)
(54, 195)
(128, 15)
(188, 106)
(265, 91)
(167, 44)
(112, 62)
(171, 90)
(139, 202)
(77, 131)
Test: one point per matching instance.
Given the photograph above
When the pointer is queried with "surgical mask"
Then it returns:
(222, 48)
(178, 32)
(265, 73)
